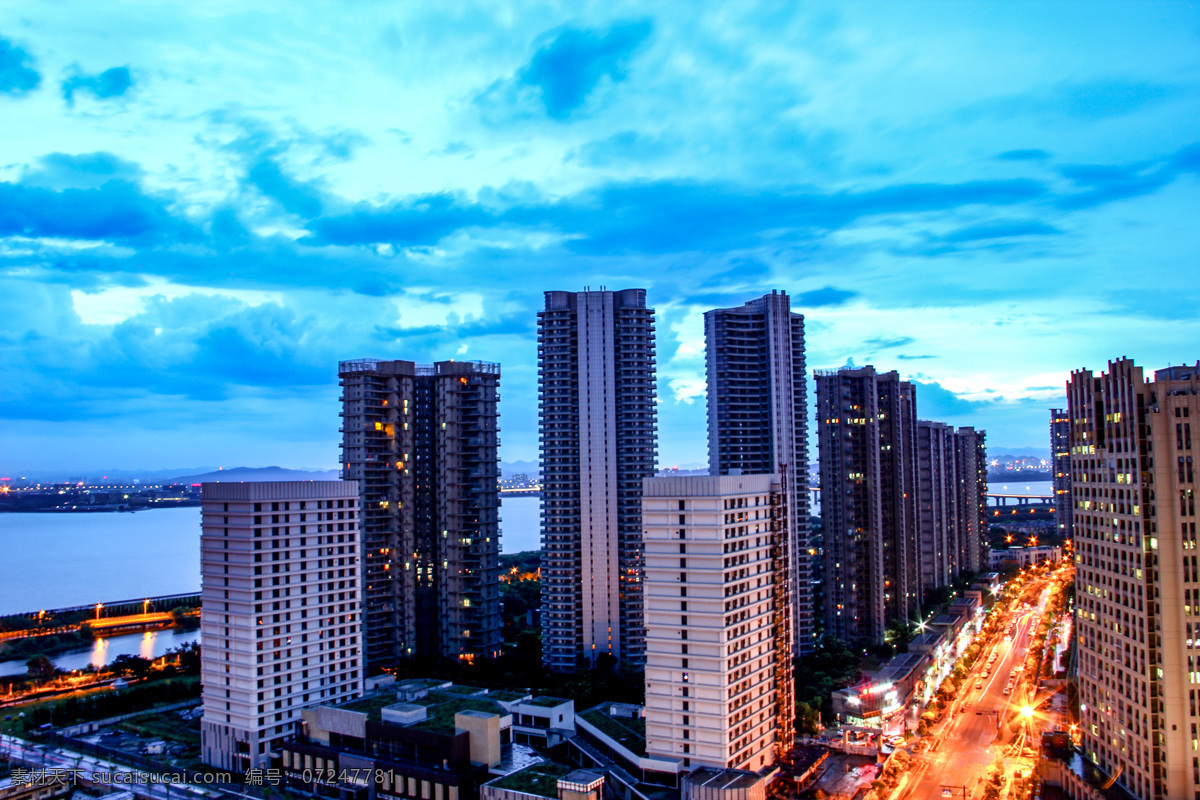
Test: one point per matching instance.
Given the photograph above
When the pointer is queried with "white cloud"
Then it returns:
(115, 304)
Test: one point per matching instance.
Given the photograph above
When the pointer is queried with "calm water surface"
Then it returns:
(520, 523)
(62, 560)
(150, 644)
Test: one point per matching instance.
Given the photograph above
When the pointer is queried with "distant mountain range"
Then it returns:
(259, 475)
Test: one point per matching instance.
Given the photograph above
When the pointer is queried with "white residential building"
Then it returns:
(281, 614)
(718, 621)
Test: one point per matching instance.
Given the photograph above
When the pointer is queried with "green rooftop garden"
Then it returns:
(456, 689)
(506, 695)
(441, 714)
(540, 779)
(547, 702)
(627, 731)
(371, 705)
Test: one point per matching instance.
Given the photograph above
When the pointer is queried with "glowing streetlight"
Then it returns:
(98, 607)
(1027, 712)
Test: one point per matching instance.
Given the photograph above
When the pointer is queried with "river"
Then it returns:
(61, 560)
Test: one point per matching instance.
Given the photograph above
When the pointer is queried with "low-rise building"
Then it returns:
(876, 702)
(543, 721)
(954, 625)
(612, 737)
(1024, 556)
(414, 741)
(545, 781)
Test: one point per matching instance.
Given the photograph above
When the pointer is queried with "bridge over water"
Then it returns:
(105, 619)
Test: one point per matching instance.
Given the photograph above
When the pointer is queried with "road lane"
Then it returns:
(967, 739)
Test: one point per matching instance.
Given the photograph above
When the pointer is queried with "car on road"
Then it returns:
(979, 684)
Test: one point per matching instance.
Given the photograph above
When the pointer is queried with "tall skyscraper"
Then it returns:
(970, 485)
(718, 621)
(1060, 455)
(599, 438)
(281, 611)
(1137, 576)
(937, 508)
(758, 420)
(867, 436)
(423, 444)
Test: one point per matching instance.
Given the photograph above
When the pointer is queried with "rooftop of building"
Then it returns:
(630, 732)
(901, 665)
(545, 701)
(723, 779)
(440, 706)
(540, 779)
(927, 639)
(507, 695)
(806, 756)
(424, 683)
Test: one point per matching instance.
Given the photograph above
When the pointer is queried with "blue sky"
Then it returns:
(203, 207)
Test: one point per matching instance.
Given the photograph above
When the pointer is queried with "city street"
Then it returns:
(962, 744)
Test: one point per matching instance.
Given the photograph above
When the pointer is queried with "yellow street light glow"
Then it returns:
(1027, 712)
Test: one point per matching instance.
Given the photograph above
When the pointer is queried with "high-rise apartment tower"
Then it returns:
(281, 612)
(718, 621)
(1133, 481)
(758, 420)
(937, 506)
(1060, 455)
(867, 436)
(970, 485)
(951, 491)
(596, 373)
(423, 444)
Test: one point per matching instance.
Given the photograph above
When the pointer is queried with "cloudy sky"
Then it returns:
(204, 206)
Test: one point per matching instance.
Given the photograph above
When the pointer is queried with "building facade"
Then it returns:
(937, 511)
(718, 621)
(1060, 455)
(758, 421)
(1137, 580)
(970, 486)
(599, 439)
(867, 435)
(951, 499)
(281, 611)
(423, 444)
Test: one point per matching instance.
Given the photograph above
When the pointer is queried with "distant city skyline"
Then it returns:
(204, 210)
